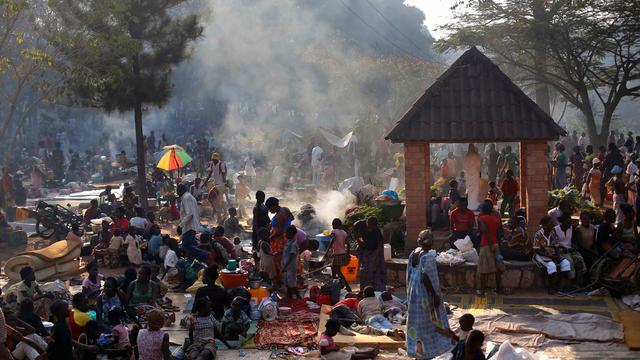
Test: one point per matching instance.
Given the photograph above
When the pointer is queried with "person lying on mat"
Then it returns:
(370, 310)
(329, 349)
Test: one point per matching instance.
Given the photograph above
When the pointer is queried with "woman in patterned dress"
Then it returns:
(427, 321)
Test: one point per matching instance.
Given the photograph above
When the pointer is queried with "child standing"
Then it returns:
(235, 322)
(242, 194)
(509, 190)
(290, 262)
(133, 251)
(340, 249)
(267, 266)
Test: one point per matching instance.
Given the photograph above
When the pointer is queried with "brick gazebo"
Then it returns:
(474, 102)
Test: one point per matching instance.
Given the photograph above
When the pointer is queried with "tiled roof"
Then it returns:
(474, 101)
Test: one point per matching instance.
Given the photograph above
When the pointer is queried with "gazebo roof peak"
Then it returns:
(474, 101)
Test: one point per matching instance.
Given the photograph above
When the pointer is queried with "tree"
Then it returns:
(589, 49)
(124, 52)
(28, 73)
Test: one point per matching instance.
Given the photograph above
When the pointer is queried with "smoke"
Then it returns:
(332, 204)
(290, 65)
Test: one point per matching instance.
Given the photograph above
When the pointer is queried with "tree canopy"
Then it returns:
(123, 53)
(587, 51)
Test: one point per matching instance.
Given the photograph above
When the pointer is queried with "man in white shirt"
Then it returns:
(582, 141)
(316, 164)
(189, 224)
(217, 170)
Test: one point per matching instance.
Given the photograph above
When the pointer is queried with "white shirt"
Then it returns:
(218, 171)
(632, 169)
(138, 222)
(316, 154)
(564, 238)
(171, 259)
(582, 142)
(189, 213)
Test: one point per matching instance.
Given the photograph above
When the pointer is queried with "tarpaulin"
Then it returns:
(336, 141)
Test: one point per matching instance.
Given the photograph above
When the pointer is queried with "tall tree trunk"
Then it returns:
(142, 178)
(540, 60)
(142, 171)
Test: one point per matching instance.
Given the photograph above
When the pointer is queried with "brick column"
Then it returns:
(418, 192)
(522, 177)
(534, 163)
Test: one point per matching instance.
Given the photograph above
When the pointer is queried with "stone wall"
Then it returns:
(518, 275)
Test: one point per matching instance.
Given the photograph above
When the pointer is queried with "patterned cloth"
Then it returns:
(373, 269)
(423, 342)
(150, 344)
(299, 329)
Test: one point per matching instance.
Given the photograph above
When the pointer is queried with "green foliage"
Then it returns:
(586, 51)
(557, 195)
(123, 52)
(595, 213)
(364, 213)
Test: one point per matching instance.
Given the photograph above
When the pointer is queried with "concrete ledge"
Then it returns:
(518, 275)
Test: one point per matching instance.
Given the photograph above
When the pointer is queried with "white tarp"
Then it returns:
(336, 141)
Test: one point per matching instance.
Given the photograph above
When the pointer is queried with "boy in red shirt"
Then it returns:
(510, 190)
(462, 221)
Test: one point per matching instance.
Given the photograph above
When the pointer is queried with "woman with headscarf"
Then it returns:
(279, 224)
(427, 323)
(611, 160)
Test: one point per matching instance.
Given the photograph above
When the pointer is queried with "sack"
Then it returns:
(471, 256)
(464, 244)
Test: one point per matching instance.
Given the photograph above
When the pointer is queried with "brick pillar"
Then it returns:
(418, 192)
(522, 177)
(534, 164)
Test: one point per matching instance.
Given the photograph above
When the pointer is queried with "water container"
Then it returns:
(387, 252)
(323, 242)
(350, 270)
(232, 265)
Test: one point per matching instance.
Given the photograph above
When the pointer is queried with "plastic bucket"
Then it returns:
(350, 270)
(323, 242)
(231, 280)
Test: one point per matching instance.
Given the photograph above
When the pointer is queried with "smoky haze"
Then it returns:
(266, 67)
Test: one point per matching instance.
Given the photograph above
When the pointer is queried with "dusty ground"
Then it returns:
(518, 303)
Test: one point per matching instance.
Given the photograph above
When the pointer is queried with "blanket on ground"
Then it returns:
(299, 330)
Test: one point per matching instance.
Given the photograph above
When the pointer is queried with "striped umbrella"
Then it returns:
(173, 157)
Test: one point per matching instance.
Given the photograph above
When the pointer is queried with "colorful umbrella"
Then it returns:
(173, 157)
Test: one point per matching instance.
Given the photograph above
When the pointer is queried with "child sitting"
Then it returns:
(133, 250)
(470, 348)
(494, 192)
(119, 331)
(79, 316)
(171, 260)
(290, 262)
(231, 224)
(203, 329)
(162, 252)
(390, 307)
(61, 346)
(115, 244)
(237, 247)
(370, 311)
(235, 322)
(465, 322)
(329, 349)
